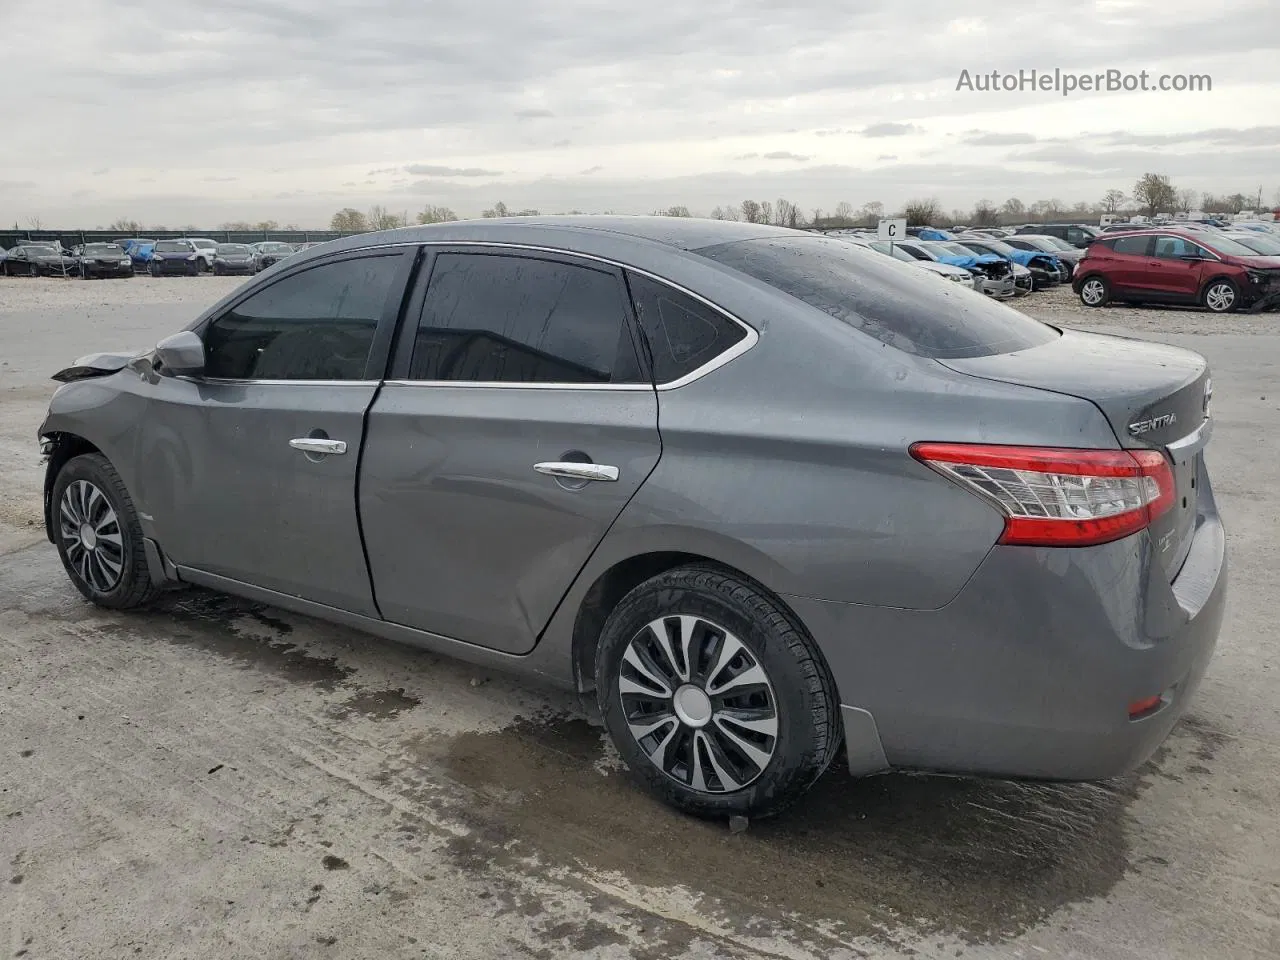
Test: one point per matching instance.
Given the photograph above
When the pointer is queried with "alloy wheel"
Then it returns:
(91, 535)
(1220, 297)
(1091, 292)
(698, 703)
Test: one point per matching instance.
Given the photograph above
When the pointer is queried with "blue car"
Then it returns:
(139, 250)
(1046, 269)
(930, 233)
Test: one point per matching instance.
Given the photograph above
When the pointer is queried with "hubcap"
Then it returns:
(91, 537)
(1092, 291)
(1220, 297)
(698, 703)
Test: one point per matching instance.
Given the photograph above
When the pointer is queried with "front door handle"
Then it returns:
(577, 471)
(318, 445)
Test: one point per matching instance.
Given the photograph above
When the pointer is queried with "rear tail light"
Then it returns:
(1052, 496)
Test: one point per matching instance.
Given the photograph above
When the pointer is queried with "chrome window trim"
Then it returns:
(227, 381)
(719, 360)
(732, 353)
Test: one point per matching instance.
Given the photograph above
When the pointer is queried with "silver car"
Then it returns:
(762, 497)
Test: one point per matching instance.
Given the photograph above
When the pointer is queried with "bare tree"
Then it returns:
(1113, 200)
(1154, 193)
(1039, 210)
(34, 223)
(871, 212)
(433, 214)
(125, 226)
(766, 211)
(380, 218)
(1013, 210)
(751, 211)
(499, 209)
(241, 225)
(922, 213)
(349, 220)
(1081, 209)
(843, 216)
(985, 214)
(786, 214)
(673, 212)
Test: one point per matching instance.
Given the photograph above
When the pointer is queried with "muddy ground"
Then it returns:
(217, 779)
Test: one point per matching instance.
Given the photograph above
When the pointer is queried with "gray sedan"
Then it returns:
(763, 498)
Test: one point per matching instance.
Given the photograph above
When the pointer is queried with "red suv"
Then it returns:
(1171, 266)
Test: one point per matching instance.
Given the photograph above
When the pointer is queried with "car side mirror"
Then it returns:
(181, 355)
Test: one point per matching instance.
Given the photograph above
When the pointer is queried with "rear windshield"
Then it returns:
(103, 249)
(172, 246)
(237, 249)
(883, 298)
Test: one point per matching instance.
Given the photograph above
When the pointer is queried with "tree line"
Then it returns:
(1151, 194)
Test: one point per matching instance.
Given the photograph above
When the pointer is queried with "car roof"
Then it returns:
(571, 232)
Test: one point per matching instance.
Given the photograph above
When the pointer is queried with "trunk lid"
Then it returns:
(1153, 395)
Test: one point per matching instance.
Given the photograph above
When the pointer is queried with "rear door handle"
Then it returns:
(577, 471)
(317, 445)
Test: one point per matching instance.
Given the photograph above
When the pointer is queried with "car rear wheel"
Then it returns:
(98, 535)
(1221, 296)
(1095, 292)
(715, 698)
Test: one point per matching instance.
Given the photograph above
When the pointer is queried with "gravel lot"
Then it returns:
(215, 778)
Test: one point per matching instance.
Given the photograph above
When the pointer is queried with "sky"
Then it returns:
(180, 113)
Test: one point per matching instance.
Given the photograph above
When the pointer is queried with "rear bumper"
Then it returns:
(1029, 672)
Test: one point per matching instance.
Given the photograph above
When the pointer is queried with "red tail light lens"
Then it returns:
(1059, 497)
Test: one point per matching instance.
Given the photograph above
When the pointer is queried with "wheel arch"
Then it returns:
(59, 448)
(609, 586)
(1204, 287)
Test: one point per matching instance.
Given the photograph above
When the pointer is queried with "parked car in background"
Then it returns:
(269, 252)
(103, 260)
(1046, 269)
(204, 250)
(1023, 282)
(139, 250)
(1067, 255)
(944, 270)
(39, 260)
(930, 233)
(995, 272)
(941, 546)
(1076, 234)
(231, 258)
(1179, 267)
(1263, 244)
(174, 257)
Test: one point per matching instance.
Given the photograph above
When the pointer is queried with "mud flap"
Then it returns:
(862, 742)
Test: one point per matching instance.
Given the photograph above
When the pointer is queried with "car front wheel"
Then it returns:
(1095, 292)
(1221, 296)
(98, 535)
(715, 698)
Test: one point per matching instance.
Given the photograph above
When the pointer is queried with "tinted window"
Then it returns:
(314, 325)
(233, 249)
(173, 246)
(884, 299)
(102, 250)
(505, 319)
(1133, 246)
(682, 333)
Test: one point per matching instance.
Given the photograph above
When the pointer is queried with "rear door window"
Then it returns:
(496, 318)
(1132, 246)
(882, 298)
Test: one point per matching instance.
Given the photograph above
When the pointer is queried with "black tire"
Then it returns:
(4, 268)
(1221, 296)
(154, 270)
(132, 585)
(84, 272)
(799, 691)
(1095, 292)
(217, 270)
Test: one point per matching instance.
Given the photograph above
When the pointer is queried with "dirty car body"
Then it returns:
(754, 494)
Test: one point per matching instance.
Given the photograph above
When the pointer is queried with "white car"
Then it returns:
(944, 270)
(205, 249)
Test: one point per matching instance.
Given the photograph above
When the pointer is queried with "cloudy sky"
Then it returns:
(180, 113)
